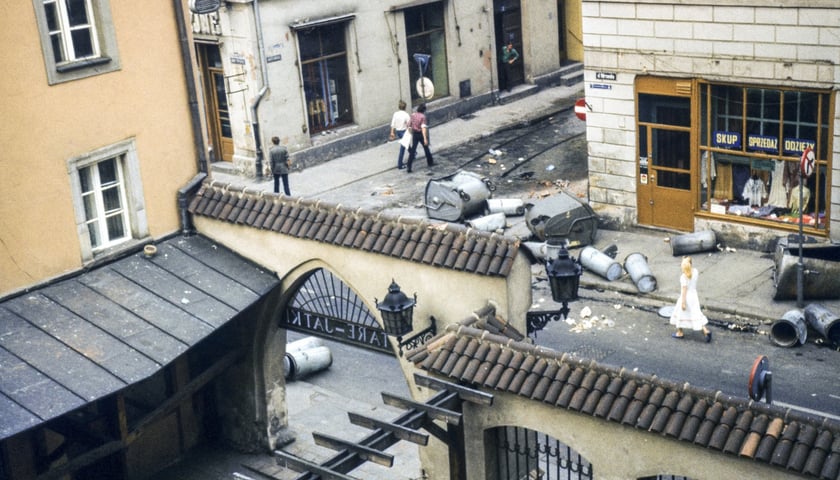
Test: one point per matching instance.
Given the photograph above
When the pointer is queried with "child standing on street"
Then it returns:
(687, 312)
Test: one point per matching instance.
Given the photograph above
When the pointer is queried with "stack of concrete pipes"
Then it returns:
(606, 266)
(792, 329)
(497, 211)
(305, 357)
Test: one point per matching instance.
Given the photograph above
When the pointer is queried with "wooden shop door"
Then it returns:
(665, 155)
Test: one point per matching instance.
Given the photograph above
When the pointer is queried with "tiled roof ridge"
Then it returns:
(445, 245)
(781, 436)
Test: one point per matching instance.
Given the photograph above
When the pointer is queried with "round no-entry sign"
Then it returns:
(806, 163)
(580, 108)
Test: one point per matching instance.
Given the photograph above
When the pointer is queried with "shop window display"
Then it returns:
(751, 143)
(326, 81)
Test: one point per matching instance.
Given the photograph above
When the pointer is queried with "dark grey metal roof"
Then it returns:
(80, 339)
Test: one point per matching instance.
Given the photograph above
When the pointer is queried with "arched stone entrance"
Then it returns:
(315, 300)
(325, 306)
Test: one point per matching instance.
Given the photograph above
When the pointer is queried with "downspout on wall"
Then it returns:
(192, 95)
(255, 117)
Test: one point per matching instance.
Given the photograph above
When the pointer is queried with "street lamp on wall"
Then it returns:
(397, 311)
(564, 279)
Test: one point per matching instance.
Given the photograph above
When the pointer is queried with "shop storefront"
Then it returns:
(733, 153)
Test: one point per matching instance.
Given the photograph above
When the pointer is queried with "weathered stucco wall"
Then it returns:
(448, 295)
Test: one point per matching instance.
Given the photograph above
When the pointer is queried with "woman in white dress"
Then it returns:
(687, 312)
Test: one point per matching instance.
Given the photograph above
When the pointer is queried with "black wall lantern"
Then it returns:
(564, 279)
(397, 311)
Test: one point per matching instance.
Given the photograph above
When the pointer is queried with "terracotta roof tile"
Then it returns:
(750, 445)
(442, 245)
(831, 467)
(713, 415)
(259, 214)
(738, 433)
(521, 373)
(619, 406)
(765, 433)
(768, 441)
(802, 447)
(818, 454)
(695, 418)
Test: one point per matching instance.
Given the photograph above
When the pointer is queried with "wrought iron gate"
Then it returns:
(326, 307)
(525, 454)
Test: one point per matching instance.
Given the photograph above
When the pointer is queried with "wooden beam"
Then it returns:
(465, 393)
(171, 403)
(366, 453)
(258, 472)
(82, 460)
(434, 413)
(403, 433)
(301, 465)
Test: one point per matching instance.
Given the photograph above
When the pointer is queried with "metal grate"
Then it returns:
(530, 455)
(324, 294)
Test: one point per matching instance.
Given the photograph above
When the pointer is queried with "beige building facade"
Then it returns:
(326, 77)
(701, 112)
(98, 136)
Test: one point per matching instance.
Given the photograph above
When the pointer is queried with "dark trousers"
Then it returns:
(504, 76)
(285, 177)
(412, 150)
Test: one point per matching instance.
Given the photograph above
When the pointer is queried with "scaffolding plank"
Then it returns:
(433, 412)
(403, 433)
(465, 393)
(366, 453)
(302, 465)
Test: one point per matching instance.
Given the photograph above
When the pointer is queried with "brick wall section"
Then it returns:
(742, 41)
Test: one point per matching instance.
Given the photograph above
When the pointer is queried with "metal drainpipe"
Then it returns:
(186, 61)
(255, 118)
(185, 192)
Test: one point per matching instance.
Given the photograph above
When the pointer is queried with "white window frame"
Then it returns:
(133, 204)
(104, 57)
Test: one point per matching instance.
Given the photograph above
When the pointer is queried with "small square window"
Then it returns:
(107, 196)
(77, 38)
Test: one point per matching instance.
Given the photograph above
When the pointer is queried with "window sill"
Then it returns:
(81, 64)
(108, 255)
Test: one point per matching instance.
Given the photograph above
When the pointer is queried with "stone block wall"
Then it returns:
(747, 42)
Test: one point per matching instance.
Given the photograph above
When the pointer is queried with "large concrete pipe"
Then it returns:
(790, 330)
(639, 270)
(300, 363)
(824, 322)
(602, 264)
(509, 206)
(702, 241)
(489, 223)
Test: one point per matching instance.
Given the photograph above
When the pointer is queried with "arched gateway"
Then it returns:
(326, 307)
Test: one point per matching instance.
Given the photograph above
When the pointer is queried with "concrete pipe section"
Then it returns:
(637, 266)
(824, 322)
(790, 330)
(596, 261)
(702, 241)
(305, 357)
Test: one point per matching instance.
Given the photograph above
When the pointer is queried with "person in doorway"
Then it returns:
(687, 312)
(280, 164)
(420, 135)
(399, 124)
(509, 58)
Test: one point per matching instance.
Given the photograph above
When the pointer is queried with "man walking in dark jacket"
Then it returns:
(280, 164)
